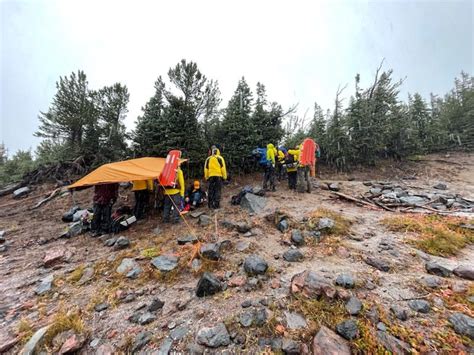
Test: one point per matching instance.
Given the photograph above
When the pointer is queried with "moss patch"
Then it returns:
(436, 235)
(342, 225)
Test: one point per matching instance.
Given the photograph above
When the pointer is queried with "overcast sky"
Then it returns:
(301, 50)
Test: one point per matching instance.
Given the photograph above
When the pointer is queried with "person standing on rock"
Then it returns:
(105, 196)
(269, 177)
(215, 172)
(174, 196)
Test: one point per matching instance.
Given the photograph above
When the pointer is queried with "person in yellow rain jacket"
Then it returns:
(142, 189)
(215, 172)
(269, 177)
(174, 196)
(279, 164)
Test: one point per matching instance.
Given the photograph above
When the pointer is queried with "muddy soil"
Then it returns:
(32, 234)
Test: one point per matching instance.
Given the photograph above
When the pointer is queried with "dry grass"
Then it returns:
(436, 235)
(63, 321)
(150, 253)
(342, 225)
(76, 275)
(24, 330)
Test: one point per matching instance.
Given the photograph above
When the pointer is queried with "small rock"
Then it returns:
(246, 304)
(312, 285)
(252, 284)
(87, 275)
(134, 273)
(334, 186)
(381, 326)
(348, 329)
(464, 272)
(354, 306)
(179, 333)
(394, 345)
(94, 343)
(255, 265)
(126, 265)
(196, 214)
(213, 337)
(122, 243)
(375, 191)
(275, 283)
(296, 237)
(72, 344)
(462, 324)
(30, 347)
(196, 265)
(165, 263)
(253, 203)
(247, 318)
(345, 280)
(436, 269)
(110, 242)
(237, 281)
(204, 220)
(53, 256)
(440, 186)
(378, 263)
(327, 342)
(242, 245)
(211, 251)
(3, 248)
(155, 305)
(242, 227)
(399, 312)
(325, 224)
(295, 320)
(185, 239)
(146, 318)
(45, 285)
(431, 281)
(165, 346)
(283, 226)
(293, 255)
(141, 340)
(195, 349)
(208, 285)
(420, 306)
(290, 347)
(101, 307)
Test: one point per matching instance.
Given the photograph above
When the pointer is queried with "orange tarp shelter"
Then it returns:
(123, 171)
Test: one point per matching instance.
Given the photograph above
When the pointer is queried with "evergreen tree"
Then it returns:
(238, 135)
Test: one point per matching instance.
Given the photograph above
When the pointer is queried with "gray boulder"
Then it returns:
(283, 225)
(165, 346)
(179, 333)
(165, 263)
(394, 345)
(354, 306)
(208, 285)
(420, 306)
(122, 243)
(126, 265)
(348, 329)
(110, 242)
(413, 200)
(399, 312)
(30, 347)
(296, 237)
(45, 285)
(312, 285)
(247, 318)
(440, 186)
(255, 265)
(293, 255)
(437, 269)
(345, 280)
(431, 281)
(295, 320)
(290, 347)
(327, 342)
(155, 305)
(378, 263)
(325, 223)
(141, 340)
(253, 203)
(213, 337)
(462, 324)
(211, 251)
(465, 272)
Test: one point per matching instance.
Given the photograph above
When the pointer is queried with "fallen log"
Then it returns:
(381, 205)
(355, 199)
(52, 195)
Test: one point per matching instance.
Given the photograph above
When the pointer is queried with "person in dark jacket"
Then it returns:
(105, 196)
(195, 195)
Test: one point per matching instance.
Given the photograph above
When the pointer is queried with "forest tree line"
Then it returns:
(185, 113)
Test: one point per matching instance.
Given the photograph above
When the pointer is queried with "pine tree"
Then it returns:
(238, 135)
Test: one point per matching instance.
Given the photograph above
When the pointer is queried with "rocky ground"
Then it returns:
(307, 273)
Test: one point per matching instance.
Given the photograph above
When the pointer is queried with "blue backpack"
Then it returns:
(261, 155)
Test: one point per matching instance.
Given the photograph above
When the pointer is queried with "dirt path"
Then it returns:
(32, 234)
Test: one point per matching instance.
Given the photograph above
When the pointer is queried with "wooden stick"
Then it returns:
(354, 199)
